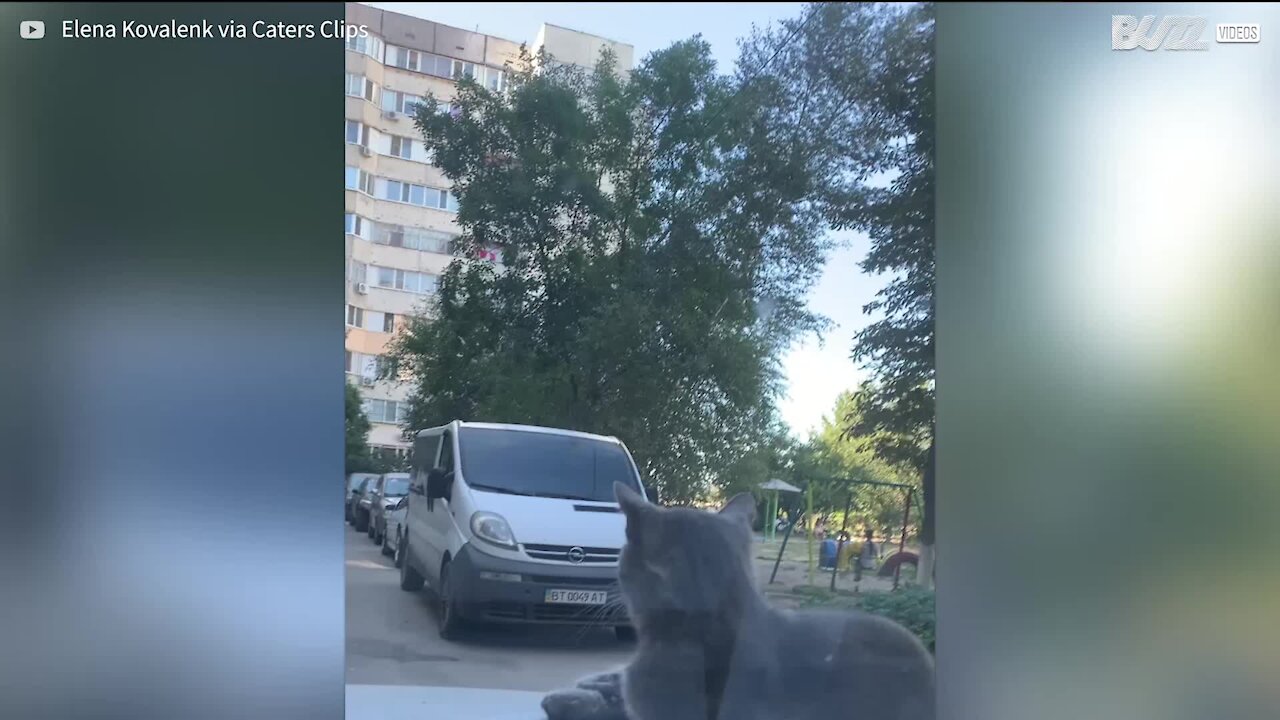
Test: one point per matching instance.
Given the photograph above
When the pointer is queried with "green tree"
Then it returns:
(874, 64)
(357, 433)
(642, 226)
(848, 458)
(897, 411)
(385, 460)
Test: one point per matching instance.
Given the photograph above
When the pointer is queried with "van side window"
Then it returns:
(426, 450)
(446, 454)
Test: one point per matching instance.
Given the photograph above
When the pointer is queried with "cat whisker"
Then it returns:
(597, 617)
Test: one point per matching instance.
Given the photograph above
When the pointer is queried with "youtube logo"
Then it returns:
(31, 29)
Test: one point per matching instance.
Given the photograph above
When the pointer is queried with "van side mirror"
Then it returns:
(438, 482)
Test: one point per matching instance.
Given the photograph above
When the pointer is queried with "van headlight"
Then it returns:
(493, 529)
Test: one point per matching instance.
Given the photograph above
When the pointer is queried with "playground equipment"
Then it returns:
(829, 560)
(893, 564)
(773, 487)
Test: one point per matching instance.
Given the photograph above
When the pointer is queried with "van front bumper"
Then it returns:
(478, 596)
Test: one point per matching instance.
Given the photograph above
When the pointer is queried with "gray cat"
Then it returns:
(710, 648)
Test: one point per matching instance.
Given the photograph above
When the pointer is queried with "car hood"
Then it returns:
(552, 521)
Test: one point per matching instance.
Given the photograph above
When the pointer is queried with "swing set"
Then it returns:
(892, 565)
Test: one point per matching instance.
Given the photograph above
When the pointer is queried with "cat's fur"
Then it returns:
(710, 648)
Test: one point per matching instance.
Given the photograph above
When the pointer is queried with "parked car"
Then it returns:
(363, 512)
(354, 481)
(357, 496)
(515, 523)
(394, 527)
(393, 487)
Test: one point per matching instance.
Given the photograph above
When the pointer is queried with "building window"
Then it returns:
(409, 237)
(393, 190)
(370, 45)
(358, 179)
(355, 316)
(357, 225)
(361, 87)
(429, 64)
(495, 80)
(368, 367)
(443, 67)
(417, 195)
(428, 240)
(397, 191)
(357, 272)
(407, 280)
(385, 411)
(402, 147)
(396, 101)
(437, 65)
(388, 450)
(404, 58)
(388, 322)
(357, 133)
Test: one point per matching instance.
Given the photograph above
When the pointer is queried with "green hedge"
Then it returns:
(912, 606)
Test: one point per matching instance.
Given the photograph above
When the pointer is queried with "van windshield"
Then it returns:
(543, 464)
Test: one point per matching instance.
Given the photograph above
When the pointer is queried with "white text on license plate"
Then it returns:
(578, 597)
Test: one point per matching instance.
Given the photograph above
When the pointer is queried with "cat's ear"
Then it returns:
(635, 507)
(629, 499)
(742, 505)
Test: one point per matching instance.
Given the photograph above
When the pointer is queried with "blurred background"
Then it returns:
(170, 402)
(1108, 324)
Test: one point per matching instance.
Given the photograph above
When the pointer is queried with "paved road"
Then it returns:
(392, 639)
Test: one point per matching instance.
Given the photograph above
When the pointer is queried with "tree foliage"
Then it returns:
(897, 410)
(832, 462)
(357, 433)
(874, 64)
(641, 223)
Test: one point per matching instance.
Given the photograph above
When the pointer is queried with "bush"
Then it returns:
(912, 606)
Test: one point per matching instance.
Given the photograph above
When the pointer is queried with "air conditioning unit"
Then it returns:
(366, 381)
(362, 288)
(390, 114)
(366, 151)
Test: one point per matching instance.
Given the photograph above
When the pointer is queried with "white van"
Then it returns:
(515, 523)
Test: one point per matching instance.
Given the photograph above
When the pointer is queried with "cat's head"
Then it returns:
(684, 561)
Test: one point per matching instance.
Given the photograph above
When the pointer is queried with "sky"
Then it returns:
(817, 370)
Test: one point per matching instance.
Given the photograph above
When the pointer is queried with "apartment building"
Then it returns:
(400, 215)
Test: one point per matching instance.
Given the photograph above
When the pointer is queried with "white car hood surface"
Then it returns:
(408, 702)
(553, 521)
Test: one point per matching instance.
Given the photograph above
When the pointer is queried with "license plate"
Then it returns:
(577, 597)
